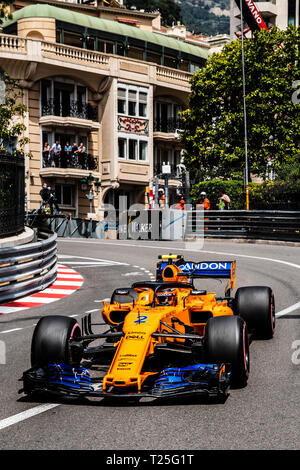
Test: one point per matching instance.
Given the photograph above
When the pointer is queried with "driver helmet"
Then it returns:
(166, 297)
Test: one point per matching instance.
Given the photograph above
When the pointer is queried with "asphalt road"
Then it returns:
(264, 415)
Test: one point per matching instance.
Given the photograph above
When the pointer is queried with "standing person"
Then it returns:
(204, 201)
(45, 193)
(221, 204)
(53, 201)
(56, 151)
(180, 204)
(46, 155)
(74, 154)
(80, 152)
(224, 201)
(68, 152)
(161, 198)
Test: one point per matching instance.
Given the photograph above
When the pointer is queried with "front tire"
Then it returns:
(226, 340)
(50, 341)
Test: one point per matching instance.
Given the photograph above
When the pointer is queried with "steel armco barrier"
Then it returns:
(28, 268)
(256, 224)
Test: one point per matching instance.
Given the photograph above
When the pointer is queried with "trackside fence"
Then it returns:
(258, 225)
(154, 225)
(28, 268)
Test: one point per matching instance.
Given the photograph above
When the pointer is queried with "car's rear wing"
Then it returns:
(201, 269)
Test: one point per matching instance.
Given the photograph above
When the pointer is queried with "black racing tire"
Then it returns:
(50, 341)
(226, 340)
(256, 305)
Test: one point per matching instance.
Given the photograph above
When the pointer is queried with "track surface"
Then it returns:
(264, 415)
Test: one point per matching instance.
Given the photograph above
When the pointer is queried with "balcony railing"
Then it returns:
(70, 55)
(83, 161)
(167, 125)
(75, 109)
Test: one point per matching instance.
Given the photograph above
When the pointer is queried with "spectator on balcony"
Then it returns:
(67, 154)
(81, 154)
(74, 155)
(46, 155)
(56, 153)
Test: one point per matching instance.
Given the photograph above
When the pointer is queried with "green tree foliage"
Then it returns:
(11, 112)
(270, 195)
(3, 10)
(214, 126)
(170, 11)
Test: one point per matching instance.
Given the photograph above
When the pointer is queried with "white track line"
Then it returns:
(4, 423)
(288, 310)
(10, 331)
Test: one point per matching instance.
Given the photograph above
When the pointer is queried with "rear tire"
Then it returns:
(226, 340)
(50, 341)
(256, 305)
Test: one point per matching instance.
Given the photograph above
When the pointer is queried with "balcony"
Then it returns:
(72, 166)
(71, 114)
(164, 129)
(75, 109)
(27, 50)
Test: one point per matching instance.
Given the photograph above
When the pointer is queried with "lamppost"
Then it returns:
(88, 183)
(246, 182)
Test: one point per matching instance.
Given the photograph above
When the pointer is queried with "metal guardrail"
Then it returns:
(256, 224)
(28, 268)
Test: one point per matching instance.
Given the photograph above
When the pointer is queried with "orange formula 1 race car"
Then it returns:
(165, 339)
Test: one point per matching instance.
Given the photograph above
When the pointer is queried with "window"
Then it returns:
(121, 101)
(120, 48)
(61, 97)
(292, 12)
(90, 43)
(133, 149)
(58, 35)
(184, 65)
(73, 39)
(154, 57)
(143, 147)
(105, 46)
(142, 104)
(132, 101)
(194, 67)
(135, 53)
(122, 148)
(170, 61)
(64, 193)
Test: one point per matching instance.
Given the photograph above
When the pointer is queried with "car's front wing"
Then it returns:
(60, 379)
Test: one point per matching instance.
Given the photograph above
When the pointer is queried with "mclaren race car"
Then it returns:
(165, 338)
